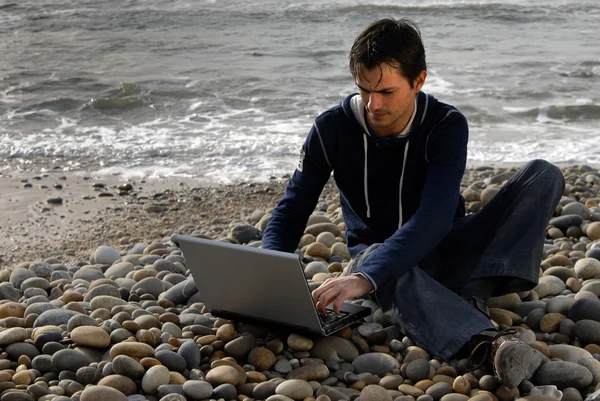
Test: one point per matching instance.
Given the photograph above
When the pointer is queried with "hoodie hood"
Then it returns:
(357, 111)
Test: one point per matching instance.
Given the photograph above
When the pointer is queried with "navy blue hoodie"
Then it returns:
(403, 192)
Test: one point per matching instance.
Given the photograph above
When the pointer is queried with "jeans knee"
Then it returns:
(551, 174)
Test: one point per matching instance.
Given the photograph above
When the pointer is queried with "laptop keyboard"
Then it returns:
(331, 317)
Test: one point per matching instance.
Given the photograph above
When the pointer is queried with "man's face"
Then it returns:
(388, 98)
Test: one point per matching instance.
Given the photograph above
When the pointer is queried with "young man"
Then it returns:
(398, 156)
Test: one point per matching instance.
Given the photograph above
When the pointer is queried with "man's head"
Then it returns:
(387, 62)
(394, 42)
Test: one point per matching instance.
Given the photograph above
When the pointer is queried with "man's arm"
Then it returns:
(288, 221)
(446, 155)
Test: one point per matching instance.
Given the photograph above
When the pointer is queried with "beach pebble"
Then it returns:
(245, 233)
(102, 393)
(375, 363)
(127, 366)
(122, 383)
(374, 393)
(588, 331)
(261, 358)
(13, 335)
(587, 268)
(197, 389)
(295, 389)
(332, 348)
(105, 255)
(241, 346)
(299, 343)
(562, 374)
(69, 359)
(316, 372)
(585, 309)
(155, 377)
(89, 336)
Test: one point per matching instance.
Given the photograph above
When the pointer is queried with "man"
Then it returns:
(398, 156)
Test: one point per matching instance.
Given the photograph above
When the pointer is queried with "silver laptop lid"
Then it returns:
(259, 283)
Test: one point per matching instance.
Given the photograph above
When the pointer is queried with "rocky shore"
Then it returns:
(107, 309)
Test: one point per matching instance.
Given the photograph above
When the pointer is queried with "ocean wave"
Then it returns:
(576, 112)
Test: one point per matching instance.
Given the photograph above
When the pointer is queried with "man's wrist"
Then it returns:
(367, 279)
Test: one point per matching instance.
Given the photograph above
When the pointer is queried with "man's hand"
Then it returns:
(337, 290)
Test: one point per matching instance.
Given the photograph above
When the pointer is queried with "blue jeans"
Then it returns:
(503, 239)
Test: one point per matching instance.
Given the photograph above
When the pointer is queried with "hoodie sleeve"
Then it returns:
(446, 156)
(288, 220)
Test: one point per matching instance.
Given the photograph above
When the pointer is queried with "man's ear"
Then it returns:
(420, 80)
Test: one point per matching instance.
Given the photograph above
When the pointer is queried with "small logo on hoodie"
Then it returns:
(301, 160)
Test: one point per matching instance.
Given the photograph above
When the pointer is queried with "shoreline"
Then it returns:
(93, 211)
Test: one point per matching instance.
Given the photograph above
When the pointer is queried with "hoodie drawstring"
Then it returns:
(402, 182)
(365, 179)
(366, 185)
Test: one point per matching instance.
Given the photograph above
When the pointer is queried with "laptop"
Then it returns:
(244, 283)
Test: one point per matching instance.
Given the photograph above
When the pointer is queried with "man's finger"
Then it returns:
(321, 289)
(327, 297)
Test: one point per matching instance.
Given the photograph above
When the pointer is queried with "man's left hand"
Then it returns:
(337, 290)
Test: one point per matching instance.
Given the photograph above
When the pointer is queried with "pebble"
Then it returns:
(375, 363)
(295, 389)
(155, 377)
(90, 336)
(333, 347)
(374, 393)
(563, 374)
(69, 359)
(102, 393)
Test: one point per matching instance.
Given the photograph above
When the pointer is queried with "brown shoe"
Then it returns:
(512, 359)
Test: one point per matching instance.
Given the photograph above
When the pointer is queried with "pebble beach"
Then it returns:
(97, 302)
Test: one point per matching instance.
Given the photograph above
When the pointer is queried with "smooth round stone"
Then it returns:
(171, 360)
(571, 394)
(69, 359)
(317, 372)
(549, 286)
(102, 393)
(560, 304)
(418, 370)
(13, 335)
(241, 346)
(221, 375)
(122, 383)
(283, 366)
(19, 275)
(564, 222)
(525, 308)
(149, 285)
(197, 389)
(588, 331)
(16, 396)
(264, 390)
(563, 374)
(119, 270)
(438, 390)
(584, 309)
(413, 391)
(587, 268)
(80, 320)
(88, 375)
(132, 349)
(332, 348)
(295, 389)
(375, 363)
(88, 336)
(550, 322)
(593, 231)
(299, 343)
(9, 293)
(54, 317)
(107, 290)
(105, 255)
(225, 391)
(576, 208)
(15, 350)
(35, 282)
(593, 253)
(191, 354)
(106, 302)
(180, 293)
(315, 267)
(43, 363)
(262, 358)
(127, 366)
(375, 393)
(559, 260)
(454, 397)
(155, 377)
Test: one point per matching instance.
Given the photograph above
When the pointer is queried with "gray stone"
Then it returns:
(180, 293)
(584, 309)
(166, 265)
(54, 317)
(15, 350)
(560, 304)
(170, 390)
(564, 222)
(593, 287)
(576, 208)
(593, 366)
(225, 391)
(264, 390)
(172, 360)
(525, 308)
(191, 354)
(103, 289)
(549, 286)
(334, 348)
(9, 293)
(119, 270)
(81, 320)
(19, 275)
(149, 285)
(88, 273)
(37, 282)
(197, 389)
(69, 359)
(17, 396)
(587, 268)
(127, 366)
(283, 366)
(562, 375)
(313, 268)
(41, 269)
(245, 233)
(587, 331)
(241, 346)
(105, 255)
(418, 370)
(376, 363)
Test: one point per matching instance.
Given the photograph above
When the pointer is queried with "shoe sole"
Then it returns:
(516, 361)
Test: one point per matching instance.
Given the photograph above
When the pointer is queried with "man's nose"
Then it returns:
(375, 102)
